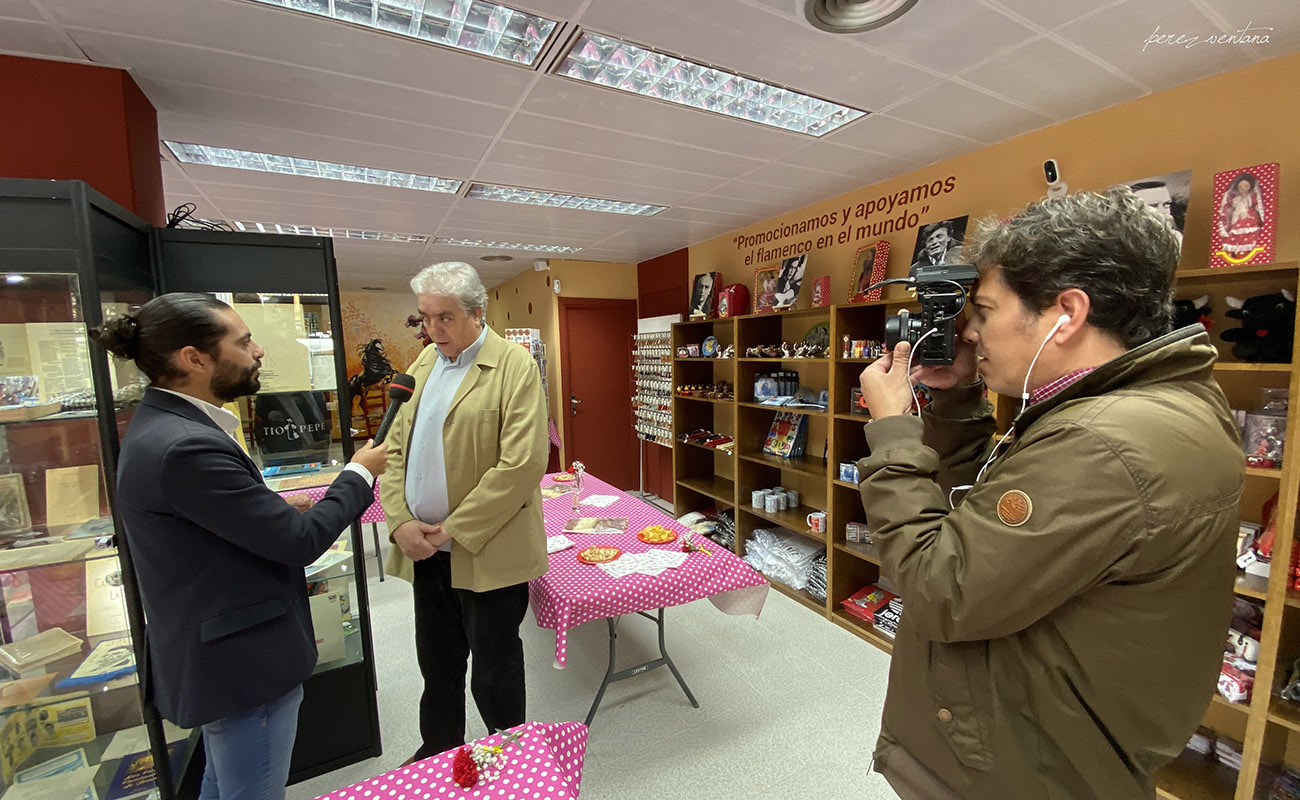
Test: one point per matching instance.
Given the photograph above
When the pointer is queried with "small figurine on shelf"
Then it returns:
(728, 352)
(846, 346)
(785, 349)
(754, 352)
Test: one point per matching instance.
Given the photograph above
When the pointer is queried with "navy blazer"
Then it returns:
(219, 558)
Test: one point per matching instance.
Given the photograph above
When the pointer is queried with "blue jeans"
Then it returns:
(248, 752)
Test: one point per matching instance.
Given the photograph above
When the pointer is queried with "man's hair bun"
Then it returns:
(119, 336)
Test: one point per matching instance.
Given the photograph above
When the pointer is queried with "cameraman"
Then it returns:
(1063, 625)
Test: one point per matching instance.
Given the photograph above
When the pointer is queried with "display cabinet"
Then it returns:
(73, 714)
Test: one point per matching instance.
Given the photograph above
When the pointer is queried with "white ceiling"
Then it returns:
(949, 77)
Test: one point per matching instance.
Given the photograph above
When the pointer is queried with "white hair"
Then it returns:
(453, 279)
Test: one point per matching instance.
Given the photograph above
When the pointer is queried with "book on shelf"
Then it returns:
(44, 647)
(595, 525)
(136, 774)
(867, 602)
(787, 436)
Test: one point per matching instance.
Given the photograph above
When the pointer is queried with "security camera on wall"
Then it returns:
(1056, 185)
(541, 265)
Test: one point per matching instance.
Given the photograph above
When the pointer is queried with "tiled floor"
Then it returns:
(789, 704)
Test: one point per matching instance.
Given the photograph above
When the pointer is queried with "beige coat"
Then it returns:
(495, 445)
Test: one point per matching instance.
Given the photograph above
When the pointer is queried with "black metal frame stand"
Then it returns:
(611, 676)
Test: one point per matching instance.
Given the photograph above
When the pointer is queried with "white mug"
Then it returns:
(817, 522)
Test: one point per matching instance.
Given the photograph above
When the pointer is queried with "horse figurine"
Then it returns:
(375, 367)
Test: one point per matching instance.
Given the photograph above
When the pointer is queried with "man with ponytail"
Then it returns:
(219, 556)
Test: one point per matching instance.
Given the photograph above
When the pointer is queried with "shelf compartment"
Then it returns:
(799, 595)
(806, 411)
(808, 465)
(1244, 366)
(863, 629)
(1284, 712)
(1195, 777)
(866, 552)
(1271, 474)
(702, 399)
(795, 521)
(1251, 586)
(1229, 272)
(721, 489)
(791, 360)
(702, 447)
(701, 358)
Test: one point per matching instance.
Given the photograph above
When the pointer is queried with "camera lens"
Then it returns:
(895, 328)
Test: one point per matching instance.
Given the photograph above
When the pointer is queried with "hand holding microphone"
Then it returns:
(374, 456)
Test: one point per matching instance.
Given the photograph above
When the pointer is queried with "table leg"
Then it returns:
(611, 676)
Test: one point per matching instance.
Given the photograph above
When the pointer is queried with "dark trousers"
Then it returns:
(450, 624)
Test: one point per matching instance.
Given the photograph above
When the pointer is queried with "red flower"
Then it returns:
(463, 769)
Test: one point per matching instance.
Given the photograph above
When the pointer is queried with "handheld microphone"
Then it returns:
(399, 392)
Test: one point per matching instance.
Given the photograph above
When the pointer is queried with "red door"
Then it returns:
(596, 380)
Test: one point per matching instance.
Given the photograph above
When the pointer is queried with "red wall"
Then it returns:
(79, 122)
(662, 288)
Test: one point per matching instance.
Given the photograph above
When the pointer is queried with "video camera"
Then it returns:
(942, 290)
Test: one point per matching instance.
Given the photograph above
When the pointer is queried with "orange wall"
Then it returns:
(528, 300)
(1232, 120)
(383, 316)
(78, 122)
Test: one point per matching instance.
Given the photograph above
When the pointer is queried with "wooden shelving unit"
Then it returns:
(1269, 727)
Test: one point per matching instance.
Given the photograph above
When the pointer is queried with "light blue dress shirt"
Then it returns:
(426, 464)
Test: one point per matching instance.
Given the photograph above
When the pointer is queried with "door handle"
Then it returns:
(573, 405)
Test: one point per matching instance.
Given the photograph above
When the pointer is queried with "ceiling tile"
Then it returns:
(19, 9)
(790, 196)
(151, 59)
(947, 37)
(619, 112)
(514, 154)
(900, 139)
(783, 177)
(839, 159)
(982, 116)
(1049, 15)
(753, 41)
(1158, 66)
(279, 36)
(559, 181)
(242, 136)
(1035, 73)
(218, 106)
(34, 39)
(579, 138)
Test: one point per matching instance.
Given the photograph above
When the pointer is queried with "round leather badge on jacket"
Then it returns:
(1014, 508)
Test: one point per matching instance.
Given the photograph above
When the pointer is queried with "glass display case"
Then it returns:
(74, 720)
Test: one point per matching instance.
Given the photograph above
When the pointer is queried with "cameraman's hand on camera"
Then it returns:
(885, 386)
(960, 372)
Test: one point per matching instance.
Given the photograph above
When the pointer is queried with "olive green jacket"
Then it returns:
(1072, 654)
(495, 443)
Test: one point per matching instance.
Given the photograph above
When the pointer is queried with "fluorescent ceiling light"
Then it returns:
(619, 65)
(534, 197)
(301, 230)
(307, 167)
(472, 25)
(540, 248)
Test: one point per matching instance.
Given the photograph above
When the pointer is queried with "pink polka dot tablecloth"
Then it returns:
(571, 593)
(373, 514)
(545, 763)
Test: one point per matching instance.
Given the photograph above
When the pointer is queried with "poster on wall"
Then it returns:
(940, 242)
(789, 281)
(1167, 194)
(704, 295)
(868, 268)
(279, 329)
(1245, 216)
(765, 289)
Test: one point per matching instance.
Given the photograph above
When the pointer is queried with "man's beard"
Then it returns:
(232, 383)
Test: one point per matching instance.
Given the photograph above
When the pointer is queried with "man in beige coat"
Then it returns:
(461, 496)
